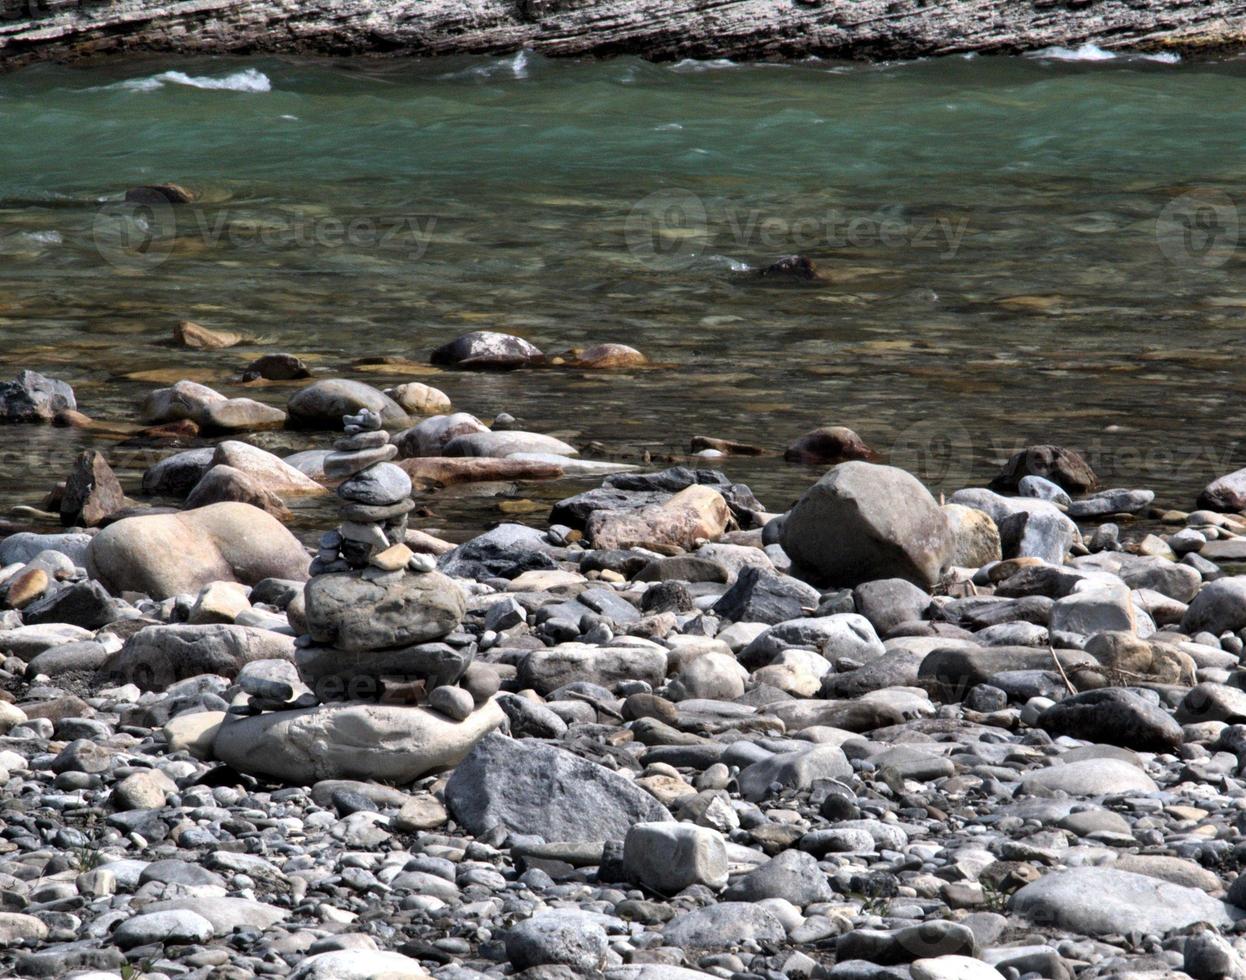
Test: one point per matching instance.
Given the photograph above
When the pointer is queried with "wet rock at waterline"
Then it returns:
(33, 397)
(487, 349)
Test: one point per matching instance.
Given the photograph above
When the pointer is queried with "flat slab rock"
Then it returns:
(386, 743)
(1103, 901)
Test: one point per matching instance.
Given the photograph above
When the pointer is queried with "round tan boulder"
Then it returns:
(175, 554)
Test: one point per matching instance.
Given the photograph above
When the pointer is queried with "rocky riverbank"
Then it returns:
(871, 29)
(669, 734)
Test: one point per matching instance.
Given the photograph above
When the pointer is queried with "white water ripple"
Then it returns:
(247, 80)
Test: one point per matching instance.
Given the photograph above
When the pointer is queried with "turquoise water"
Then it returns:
(1014, 250)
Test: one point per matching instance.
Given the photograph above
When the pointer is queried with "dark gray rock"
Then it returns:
(1219, 606)
(487, 349)
(759, 596)
(322, 404)
(863, 522)
(888, 602)
(506, 551)
(1115, 716)
(791, 875)
(33, 397)
(546, 791)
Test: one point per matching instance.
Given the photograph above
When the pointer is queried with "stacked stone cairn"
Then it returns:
(374, 609)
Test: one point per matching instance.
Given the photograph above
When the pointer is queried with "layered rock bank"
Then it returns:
(657, 29)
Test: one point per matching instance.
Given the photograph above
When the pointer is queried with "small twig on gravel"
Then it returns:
(1060, 667)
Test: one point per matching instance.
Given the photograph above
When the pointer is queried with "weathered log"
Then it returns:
(75, 30)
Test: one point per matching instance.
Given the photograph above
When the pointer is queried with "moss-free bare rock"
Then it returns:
(385, 743)
(862, 522)
(173, 554)
(350, 612)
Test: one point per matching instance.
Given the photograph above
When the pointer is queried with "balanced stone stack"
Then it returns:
(375, 609)
(376, 499)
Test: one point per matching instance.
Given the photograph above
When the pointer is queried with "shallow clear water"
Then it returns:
(1016, 250)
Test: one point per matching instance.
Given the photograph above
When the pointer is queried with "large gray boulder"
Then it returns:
(862, 522)
(383, 743)
(1116, 716)
(322, 404)
(539, 789)
(156, 656)
(1104, 901)
(354, 614)
(1219, 606)
(164, 555)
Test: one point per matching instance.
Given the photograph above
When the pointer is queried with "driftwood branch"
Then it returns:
(76, 30)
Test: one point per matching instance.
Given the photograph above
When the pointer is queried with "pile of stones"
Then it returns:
(373, 606)
(376, 499)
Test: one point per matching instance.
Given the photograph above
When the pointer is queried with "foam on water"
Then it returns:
(247, 80)
(1092, 52)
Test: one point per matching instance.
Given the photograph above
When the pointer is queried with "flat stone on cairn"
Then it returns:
(375, 612)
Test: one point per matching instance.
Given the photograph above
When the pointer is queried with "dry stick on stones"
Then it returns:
(1060, 667)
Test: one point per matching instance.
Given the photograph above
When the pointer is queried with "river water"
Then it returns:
(1014, 250)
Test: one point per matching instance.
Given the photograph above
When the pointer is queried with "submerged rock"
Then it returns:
(92, 492)
(829, 445)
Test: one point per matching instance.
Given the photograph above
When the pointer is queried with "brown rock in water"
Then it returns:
(449, 470)
(695, 513)
(420, 399)
(725, 446)
(159, 194)
(1061, 466)
(600, 357)
(92, 492)
(1226, 494)
(71, 418)
(276, 367)
(198, 337)
(795, 268)
(225, 483)
(180, 432)
(829, 445)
